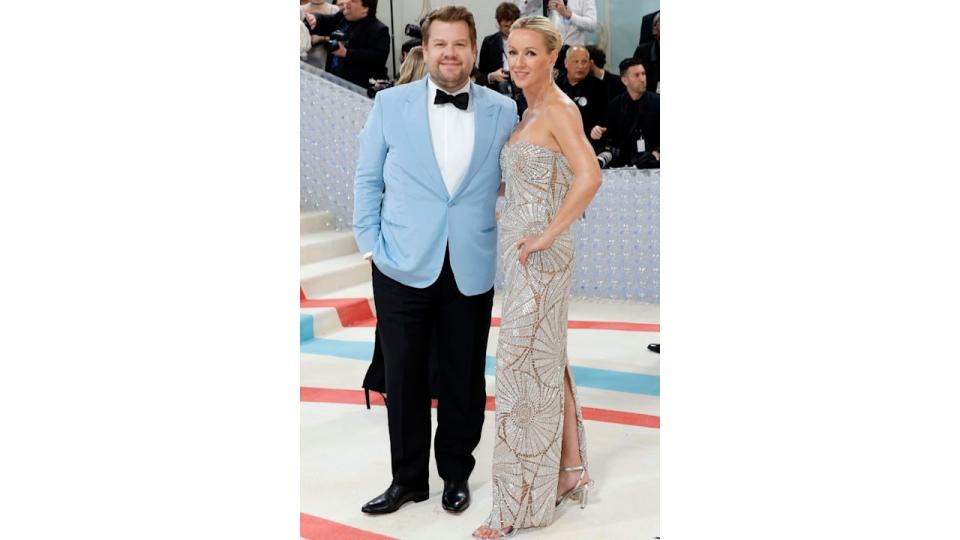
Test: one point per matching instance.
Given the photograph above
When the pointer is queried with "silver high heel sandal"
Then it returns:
(580, 490)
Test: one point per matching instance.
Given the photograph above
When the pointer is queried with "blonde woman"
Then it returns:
(551, 175)
(413, 67)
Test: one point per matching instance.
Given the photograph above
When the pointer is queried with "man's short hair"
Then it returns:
(371, 5)
(597, 55)
(450, 14)
(627, 64)
(507, 11)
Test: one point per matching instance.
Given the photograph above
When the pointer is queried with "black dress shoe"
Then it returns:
(393, 498)
(456, 496)
(655, 347)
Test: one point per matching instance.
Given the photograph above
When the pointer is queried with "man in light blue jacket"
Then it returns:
(425, 196)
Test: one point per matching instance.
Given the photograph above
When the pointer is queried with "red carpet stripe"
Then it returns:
(314, 528)
(355, 397)
(353, 312)
(356, 312)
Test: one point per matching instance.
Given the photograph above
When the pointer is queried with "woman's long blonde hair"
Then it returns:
(413, 67)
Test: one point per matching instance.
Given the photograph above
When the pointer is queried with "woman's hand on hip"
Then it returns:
(532, 243)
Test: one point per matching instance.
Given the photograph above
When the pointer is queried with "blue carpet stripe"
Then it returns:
(306, 327)
(604, 379)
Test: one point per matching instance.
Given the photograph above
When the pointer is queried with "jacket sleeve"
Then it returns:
(326, 24)
(485, 61)
(586, 21)
(654, 124)
(609, 120)
(368, 183)
(373, 54)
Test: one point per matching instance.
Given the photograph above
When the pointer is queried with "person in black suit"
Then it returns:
(589, 94)
(613, 84)
(631, 128)
(492, 65)
(649, 54)
(646, 26)
(362, 55)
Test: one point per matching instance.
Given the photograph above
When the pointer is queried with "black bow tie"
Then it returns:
(459, 101)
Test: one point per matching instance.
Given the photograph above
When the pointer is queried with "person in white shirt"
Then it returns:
(573, 18)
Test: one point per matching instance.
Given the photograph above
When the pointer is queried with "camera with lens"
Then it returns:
(606, 155)
(333, 42)
(376, 86)
(641, 160)
(413, 30)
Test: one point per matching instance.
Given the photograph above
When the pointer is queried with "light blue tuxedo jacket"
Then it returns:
(402, 210)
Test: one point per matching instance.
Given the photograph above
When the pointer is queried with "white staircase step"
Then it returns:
(320, 278)
(325, 320)
(316, 221)
(319, 246)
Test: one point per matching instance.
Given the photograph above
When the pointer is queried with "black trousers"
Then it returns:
(407, 318)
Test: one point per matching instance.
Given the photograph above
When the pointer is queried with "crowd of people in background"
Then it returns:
(620, 112)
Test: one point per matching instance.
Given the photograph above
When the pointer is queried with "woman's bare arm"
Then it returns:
(565, 126)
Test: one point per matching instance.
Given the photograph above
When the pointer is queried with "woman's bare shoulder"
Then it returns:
(562, 113)
(558, 102)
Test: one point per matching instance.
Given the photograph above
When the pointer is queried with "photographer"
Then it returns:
(574, 18)
(492, 64)
(630, 136)
(358, 43)
(649, 53)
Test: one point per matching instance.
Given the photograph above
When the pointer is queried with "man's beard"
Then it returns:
(453, 83)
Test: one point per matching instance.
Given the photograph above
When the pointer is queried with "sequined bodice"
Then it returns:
(536, 178)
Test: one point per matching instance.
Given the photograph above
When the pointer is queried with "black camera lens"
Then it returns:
(413, 31)
(333, 42)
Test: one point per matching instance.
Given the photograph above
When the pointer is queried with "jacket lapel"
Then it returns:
(484, 131)
(418, 120)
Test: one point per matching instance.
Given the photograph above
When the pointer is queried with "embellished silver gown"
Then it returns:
(532, 348)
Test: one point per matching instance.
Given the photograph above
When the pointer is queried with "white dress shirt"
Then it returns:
(506, 61)
(574, 30)
(451, 131)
